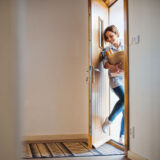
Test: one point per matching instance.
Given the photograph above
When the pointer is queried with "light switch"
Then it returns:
(135, 40)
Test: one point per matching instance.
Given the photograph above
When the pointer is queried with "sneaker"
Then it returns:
(105, 125)
(121, 139)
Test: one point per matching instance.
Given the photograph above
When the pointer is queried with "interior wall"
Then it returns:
(144, 78)
(8, 81)
(54, 61)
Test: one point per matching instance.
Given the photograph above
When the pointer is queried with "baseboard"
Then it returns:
(55, 138)
(135, 156)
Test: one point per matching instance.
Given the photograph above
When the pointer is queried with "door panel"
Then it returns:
(99, 81)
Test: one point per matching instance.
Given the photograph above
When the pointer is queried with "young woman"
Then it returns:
(111, 35)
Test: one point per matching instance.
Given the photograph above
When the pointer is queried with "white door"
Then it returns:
(98, 76)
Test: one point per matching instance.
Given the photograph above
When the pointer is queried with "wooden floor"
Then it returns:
(88, 158)
(68, 150)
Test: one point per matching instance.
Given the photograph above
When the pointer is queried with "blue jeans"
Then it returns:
(119, 107)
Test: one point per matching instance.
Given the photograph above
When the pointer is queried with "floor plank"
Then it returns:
(55, 150)
(91, 150)
(65, 151)
(26, 151)
(43, 150)
(35, 151)
(77, 149)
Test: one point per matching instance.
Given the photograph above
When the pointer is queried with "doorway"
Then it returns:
(97, 108)
(116, 17)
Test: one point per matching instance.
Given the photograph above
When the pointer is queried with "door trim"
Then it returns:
(126, 74)
(111, 2)
(89, 75)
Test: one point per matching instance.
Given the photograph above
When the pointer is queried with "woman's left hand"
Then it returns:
(118, 69)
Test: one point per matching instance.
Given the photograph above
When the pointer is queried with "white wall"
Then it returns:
(8, 76)
(54, 61)
(145, 77)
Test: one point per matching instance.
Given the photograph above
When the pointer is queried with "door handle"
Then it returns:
(95, 70)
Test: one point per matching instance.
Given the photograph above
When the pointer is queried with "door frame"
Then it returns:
(126, 49)
(126, 75)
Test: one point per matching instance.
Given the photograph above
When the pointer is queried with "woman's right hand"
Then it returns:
(112, 68)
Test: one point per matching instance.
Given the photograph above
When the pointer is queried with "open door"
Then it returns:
(98, 76)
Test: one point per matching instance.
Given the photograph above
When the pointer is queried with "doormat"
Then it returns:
(67, 149)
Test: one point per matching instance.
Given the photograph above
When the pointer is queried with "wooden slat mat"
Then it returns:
(66, 149)
(77, 149)
(27, 151)
(55, 150)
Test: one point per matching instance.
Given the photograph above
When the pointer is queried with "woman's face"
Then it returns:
(111, 37)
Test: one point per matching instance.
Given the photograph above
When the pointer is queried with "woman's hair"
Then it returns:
(111, 28)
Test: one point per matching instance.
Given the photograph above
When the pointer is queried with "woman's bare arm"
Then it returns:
(113, 68)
